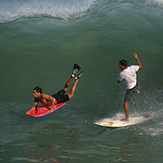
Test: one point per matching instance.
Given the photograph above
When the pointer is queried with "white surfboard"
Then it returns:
(122, 123)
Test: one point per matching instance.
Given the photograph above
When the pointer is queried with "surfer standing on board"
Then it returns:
(129, 75)
(58, 97)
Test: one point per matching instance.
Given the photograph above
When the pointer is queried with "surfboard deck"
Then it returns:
(122, 123)
(45, 110)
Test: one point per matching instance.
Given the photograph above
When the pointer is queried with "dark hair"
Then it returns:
(38, 89)
(123, 62)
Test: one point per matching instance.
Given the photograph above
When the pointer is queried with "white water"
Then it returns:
(61, 9)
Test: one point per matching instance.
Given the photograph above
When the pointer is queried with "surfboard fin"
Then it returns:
(76, 69)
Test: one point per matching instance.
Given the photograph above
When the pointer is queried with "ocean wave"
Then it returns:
(62, 9)
(159, 2)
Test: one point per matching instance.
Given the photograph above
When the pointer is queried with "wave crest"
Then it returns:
(61, 9)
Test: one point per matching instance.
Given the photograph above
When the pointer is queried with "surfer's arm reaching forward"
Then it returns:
(137, 59)
(33, 107)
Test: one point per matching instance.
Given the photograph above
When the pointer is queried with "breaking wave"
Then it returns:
(62, 9)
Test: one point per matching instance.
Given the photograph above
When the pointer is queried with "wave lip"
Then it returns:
(62, 9)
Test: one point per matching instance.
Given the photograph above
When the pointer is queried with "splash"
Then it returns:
(117, 116)
(62, 9)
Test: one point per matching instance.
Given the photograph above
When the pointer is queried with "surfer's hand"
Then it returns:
(51, 110)
(27, 112)
(135, 55)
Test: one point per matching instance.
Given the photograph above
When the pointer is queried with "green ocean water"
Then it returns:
(39, 43)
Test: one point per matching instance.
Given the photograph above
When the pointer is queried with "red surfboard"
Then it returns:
(45, 110)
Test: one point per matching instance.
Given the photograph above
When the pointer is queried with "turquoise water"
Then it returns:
(40, 41)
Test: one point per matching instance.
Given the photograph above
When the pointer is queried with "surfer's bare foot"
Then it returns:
(126, 119)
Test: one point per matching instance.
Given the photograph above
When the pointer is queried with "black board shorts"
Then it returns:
(61, 96)
(129, 94)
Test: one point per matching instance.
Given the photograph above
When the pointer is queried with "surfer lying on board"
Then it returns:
(129, 75)
(58, 97)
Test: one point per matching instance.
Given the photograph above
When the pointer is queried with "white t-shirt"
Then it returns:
(129, 75)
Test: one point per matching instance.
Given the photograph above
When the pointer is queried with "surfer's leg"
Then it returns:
(73, 89)
(76, 69)
(126, 107)
(68, 84)
(127, 99)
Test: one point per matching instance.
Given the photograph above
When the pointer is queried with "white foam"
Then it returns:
(152, 128)
(116, 117)
(63, 9)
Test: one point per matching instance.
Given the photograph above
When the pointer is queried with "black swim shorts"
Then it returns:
(129, 94)
(61, 96)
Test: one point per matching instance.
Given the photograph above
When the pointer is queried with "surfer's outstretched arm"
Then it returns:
(33, 107)
(137, 59)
